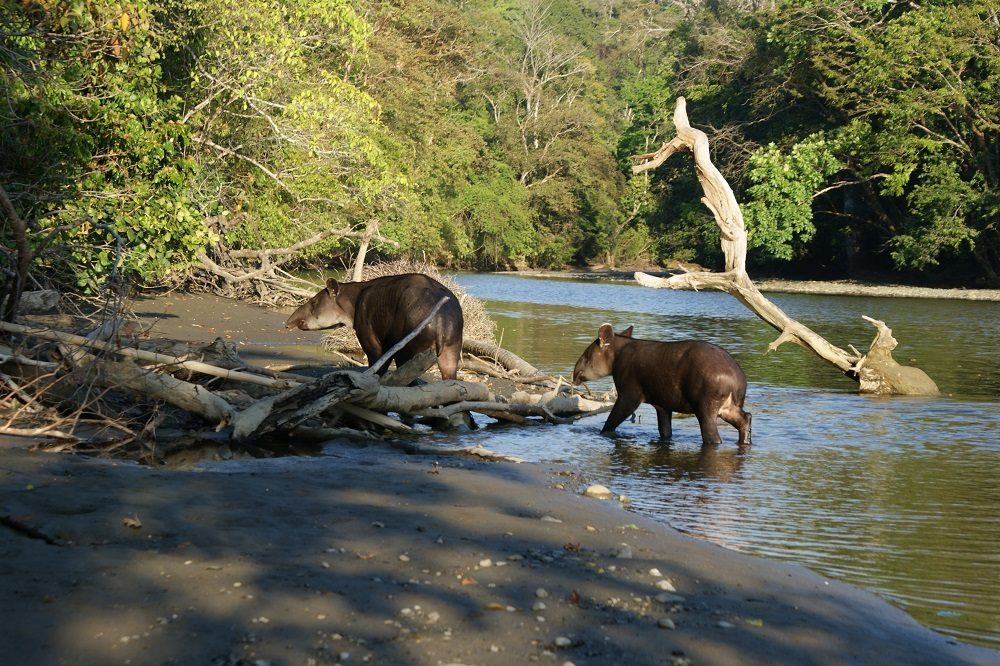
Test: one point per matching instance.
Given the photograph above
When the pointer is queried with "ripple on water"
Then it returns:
(897, 495)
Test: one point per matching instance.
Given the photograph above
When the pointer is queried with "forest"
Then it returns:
(199, 143)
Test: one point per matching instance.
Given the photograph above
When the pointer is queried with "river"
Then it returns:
(897, 495)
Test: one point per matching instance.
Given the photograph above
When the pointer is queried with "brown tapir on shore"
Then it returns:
(385, 310)
(689, 376)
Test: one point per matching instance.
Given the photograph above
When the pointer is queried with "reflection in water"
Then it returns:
(659, 461)
(898, 495)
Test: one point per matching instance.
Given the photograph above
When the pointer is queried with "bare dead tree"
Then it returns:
(876, 371)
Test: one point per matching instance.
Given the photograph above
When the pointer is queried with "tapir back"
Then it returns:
(678, 375)
(389, 307)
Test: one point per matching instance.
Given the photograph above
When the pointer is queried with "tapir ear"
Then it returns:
(332, 286)
(627, 333)
(605, 334)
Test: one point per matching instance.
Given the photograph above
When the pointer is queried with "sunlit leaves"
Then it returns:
(779, 216)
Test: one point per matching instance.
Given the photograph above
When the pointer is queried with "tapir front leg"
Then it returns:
(623, 408)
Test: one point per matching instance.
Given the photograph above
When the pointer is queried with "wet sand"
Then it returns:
(367, 555)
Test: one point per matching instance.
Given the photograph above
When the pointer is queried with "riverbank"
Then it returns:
(368, 556)
(828, 287)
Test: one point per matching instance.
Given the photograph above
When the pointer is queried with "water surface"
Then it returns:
(897, 495)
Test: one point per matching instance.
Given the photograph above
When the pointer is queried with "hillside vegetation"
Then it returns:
(155, 140)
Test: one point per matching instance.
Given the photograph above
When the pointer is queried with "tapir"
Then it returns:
(687, 376)
(383, 311)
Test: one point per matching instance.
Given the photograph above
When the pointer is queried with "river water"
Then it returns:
(900, 496)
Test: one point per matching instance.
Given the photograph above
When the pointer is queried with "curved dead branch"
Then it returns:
(719, 198)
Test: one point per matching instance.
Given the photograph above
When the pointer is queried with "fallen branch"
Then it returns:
(141, 354)
(491, 407)
(422, 448)
(719, 198)
(505, 359)
(190, 397)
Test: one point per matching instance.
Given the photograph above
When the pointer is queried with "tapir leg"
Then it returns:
(664, 419)
(623, 408)
(448, 361)
(706, 419)
(373, 350)
(734, 415)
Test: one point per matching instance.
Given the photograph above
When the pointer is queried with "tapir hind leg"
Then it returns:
(706, 420)
(448, 360)
(734, 415)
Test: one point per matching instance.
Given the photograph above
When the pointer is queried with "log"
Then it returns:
(719, 198)
(412, 398)
(411, 370)
(141, 355)
(880, 374)
(294, 406)
(505, 359)
(491, 408)
(177, 392)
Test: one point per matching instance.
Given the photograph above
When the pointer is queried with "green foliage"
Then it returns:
(498, 135)
(88, 123)
(779, 215)
(939, 203)
(923, 81)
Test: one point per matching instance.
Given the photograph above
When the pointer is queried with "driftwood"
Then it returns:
(342, 403)
(184, 395)
(507, 360)
(140, 354)
(876, 371)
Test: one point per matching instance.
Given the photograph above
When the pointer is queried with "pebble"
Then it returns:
(538, 606)
(666, 585)
(541, 593)
(722, 624)
(404, 558)
(563, 642)
(550, 519)
(668, 598)
(598, 491)
(666, 623)
(485, 563)
(624, 552)
(655, 573)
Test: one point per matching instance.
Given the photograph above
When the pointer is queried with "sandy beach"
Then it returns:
(367, 555)
(370, 556)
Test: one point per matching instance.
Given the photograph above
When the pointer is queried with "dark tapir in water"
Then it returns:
(688, 376)
(385, 310)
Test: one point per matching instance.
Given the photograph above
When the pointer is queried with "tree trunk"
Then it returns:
(881, 373)
(11, 294)
(359, 261)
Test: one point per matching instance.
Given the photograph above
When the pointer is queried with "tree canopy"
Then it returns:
(861, 136)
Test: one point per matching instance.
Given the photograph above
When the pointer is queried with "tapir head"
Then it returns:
(321, 311)
(598, 359)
